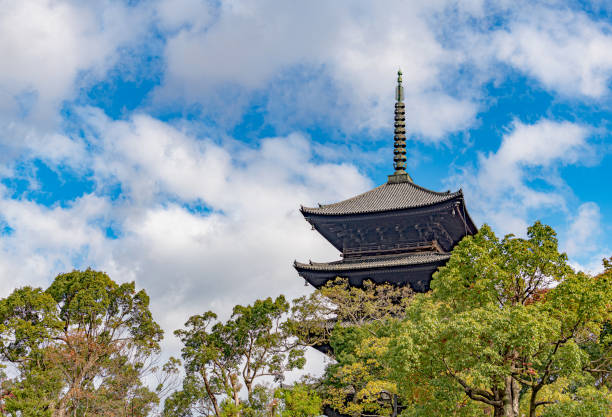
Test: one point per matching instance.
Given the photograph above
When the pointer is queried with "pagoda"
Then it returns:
(398, 232)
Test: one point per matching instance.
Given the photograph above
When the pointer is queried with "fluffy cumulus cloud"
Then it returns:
(522, 174)
(50, 50)
(19, 141)
(47, 45)
(584, 229)
(199, 224)
(583, 242)
(565, 50)
(38, 241)
(352, 47)
(343, 55)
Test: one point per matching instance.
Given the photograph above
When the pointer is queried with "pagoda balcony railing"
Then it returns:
(387, 249)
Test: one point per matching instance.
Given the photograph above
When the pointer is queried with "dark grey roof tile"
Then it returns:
(374, 262)
(389, 196)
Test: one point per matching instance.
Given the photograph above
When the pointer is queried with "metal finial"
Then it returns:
(399, 91)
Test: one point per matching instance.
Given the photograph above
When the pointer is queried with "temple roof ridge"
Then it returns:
(385, 197)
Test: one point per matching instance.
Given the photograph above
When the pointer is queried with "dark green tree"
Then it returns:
(223, 358)
(503, 328)
(356, 323)
(81, 348)
(339, 305)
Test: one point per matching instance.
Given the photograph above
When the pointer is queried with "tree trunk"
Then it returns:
(532, 401)
(236, 391)
(510, 399)
(60, 410)
(210, 393)
(516, 392)
(394, 404)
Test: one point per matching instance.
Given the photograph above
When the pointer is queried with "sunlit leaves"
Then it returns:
(222, 358)
(505, 318)
(80, 347)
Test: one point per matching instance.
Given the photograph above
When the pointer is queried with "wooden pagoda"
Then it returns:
(396, 233)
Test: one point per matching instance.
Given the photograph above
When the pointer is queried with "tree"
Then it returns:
(359, 382)
(80, 347)
(505, 318)
(599, 345)
(353, 325)
(337, 304)
(222, 358)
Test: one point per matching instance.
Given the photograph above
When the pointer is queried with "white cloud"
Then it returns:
(19, 140)
(348, 52)
(565, 50)
(46, 45)
(188, 261)
(220, 55)
(538, 145)
(335, 61)
(584, 230)
(502, 189)
(328, 61)
(46, 241)
(582, 241)
(176, 14)
(593, 265)
(50, 49)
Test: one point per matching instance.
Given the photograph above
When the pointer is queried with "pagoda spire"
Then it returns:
(399, 137)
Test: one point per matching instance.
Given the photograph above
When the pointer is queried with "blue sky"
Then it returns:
(172, 142)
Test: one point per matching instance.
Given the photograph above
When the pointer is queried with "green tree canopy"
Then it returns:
(80, 347)
(337, 304)
(506, 324)
(222, 358)
(354, 324)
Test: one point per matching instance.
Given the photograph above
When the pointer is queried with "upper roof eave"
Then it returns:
(386, 197)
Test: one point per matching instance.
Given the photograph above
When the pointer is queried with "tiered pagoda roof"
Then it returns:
(376, 262)
(398, 232)
(386, 197)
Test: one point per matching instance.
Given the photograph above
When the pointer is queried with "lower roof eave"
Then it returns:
(368, 263)
(416, 274)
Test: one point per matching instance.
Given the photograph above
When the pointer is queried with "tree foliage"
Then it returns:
(358, 382)
(353, 325)
(80, 348)
(505, 319)
(222, 358)
(299, 400)
(336, 305)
